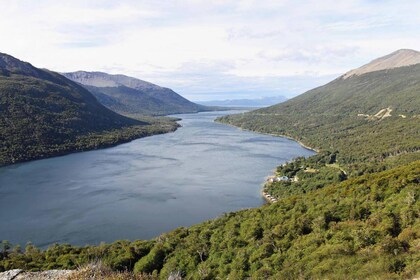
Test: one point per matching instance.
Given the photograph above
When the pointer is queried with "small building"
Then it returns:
(281, 179)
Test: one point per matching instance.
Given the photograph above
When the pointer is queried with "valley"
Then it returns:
(142, 188)
(349, 211)
(43, 114)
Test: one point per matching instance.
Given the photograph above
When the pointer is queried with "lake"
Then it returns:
(140, 189)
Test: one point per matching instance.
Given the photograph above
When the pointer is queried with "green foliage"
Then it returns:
(353, 213)
(43, 114)
(326, 118)
(153, 261)
(363, 227)
(307, 174)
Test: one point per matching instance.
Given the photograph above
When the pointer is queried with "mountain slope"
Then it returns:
(366, 117)
(400, 58)
(131, 96)
(43, 113)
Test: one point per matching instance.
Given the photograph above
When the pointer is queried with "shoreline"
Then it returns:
(273, 134)
(267, 197)
(104, 145)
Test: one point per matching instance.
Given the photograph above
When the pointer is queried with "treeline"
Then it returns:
(306, 174)
(14, 151)
(44, 114)
(327, 118)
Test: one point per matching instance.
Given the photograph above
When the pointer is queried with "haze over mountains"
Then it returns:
(257, 102)
(131, 96)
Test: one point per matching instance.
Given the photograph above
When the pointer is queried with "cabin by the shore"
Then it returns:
(279, 179)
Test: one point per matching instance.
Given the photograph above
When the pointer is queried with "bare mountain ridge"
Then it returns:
(399, 58)
(101, 79)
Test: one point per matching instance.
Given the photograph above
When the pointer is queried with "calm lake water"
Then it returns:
(140, 189)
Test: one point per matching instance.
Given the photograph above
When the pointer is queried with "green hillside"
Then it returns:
(353, 211)
(131, 96)
(363, 228)
(340, 116)
(43, 114)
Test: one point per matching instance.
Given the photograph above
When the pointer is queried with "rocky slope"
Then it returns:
(399, 58)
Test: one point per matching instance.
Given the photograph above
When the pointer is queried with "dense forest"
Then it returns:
(351, 212)
(44, 114)
(366, 227)
(348, 117)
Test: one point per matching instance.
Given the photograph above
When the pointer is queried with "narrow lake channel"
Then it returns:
(140, 189)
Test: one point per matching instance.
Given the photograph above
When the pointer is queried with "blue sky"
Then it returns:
(208, 50)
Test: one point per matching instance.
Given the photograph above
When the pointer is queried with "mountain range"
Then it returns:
(42, 113)
(352, 211)
(257, 102)
(131, 96)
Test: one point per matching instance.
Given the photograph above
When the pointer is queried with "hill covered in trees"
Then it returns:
(370, 118)
(42, 114)
(353, 214)
(131, 96)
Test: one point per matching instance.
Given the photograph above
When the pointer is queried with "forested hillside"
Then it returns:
(43, 114)
(363, 228)
(369, 119)
(352, 212)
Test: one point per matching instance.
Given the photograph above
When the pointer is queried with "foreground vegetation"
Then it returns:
(366, 227)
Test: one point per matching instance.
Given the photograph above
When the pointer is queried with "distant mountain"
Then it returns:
(131, 96)
(258, 102)
(42, 113)
(400, 58)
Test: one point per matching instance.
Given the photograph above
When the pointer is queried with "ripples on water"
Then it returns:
(140, 189)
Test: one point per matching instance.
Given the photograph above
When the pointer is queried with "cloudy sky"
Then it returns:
(209, 50)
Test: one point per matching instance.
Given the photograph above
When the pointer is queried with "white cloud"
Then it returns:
(201, 48)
